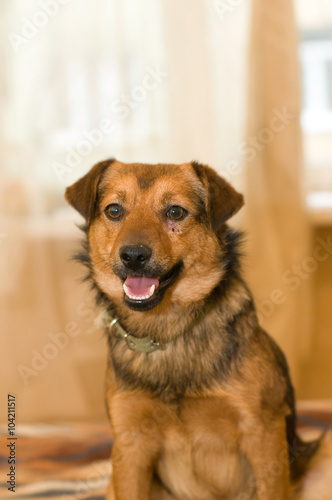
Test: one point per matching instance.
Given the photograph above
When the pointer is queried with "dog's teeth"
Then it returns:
(144, 297)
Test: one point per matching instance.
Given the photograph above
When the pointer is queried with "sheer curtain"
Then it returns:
(168, 79)
(279, 246)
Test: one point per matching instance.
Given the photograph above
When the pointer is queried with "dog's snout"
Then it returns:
(135, 256)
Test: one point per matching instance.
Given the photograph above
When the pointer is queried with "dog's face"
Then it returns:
(152, 230)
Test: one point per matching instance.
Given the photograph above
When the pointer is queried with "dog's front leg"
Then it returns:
(132, 472)
(266, 449)
(132, 476)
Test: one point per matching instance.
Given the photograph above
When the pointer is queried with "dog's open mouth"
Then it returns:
(143, 292)
(140, 288)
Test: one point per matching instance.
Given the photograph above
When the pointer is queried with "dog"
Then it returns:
(199, 397)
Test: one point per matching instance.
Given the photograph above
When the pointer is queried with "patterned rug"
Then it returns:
(71, 462)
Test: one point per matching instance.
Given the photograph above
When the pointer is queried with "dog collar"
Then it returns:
(144, 344)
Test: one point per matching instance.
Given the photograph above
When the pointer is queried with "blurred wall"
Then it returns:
(53, 356)
(316, 372)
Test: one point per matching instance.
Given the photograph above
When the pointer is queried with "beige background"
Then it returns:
(225, 75)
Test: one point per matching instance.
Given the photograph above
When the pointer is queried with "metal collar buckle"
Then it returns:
(144, 344)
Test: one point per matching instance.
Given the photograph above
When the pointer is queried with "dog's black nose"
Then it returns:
(135, 256)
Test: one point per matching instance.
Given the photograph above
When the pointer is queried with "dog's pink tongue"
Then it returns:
(139, 287)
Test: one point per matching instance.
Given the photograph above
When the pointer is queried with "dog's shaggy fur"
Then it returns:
(210, 413)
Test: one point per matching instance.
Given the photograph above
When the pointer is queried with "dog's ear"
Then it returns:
(223, 201)
(82, 195)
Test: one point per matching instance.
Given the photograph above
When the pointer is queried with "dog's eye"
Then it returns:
(113, 211)
(176, 213)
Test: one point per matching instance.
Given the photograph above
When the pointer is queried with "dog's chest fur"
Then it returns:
(200, 459)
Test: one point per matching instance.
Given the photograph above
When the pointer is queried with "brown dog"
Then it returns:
(199, 396)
